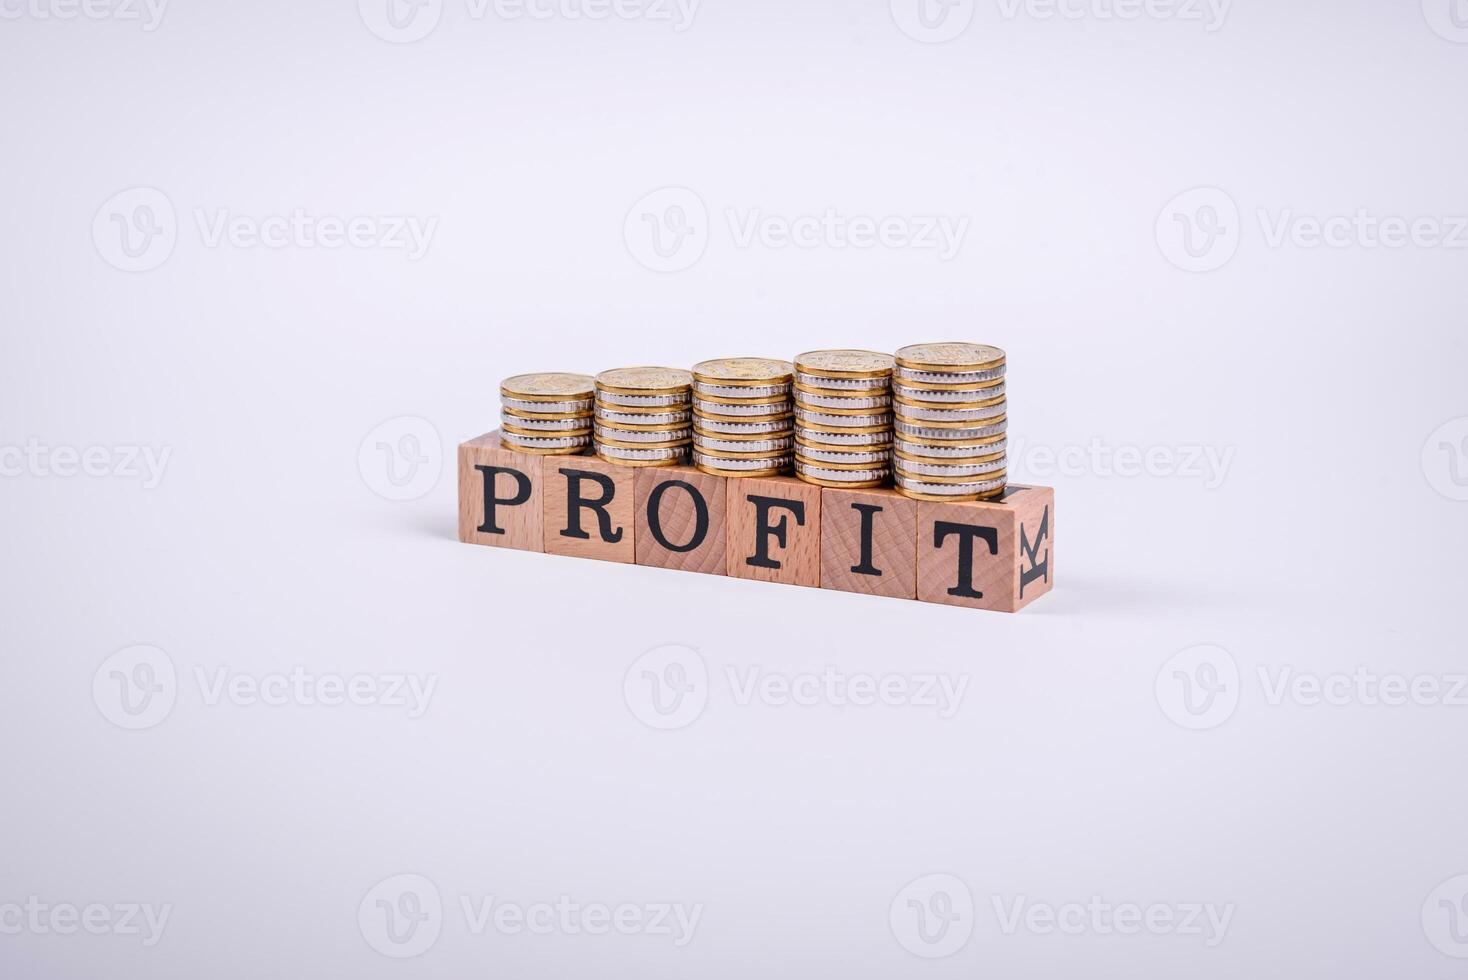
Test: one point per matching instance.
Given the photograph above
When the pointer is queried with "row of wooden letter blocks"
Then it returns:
(996, 555)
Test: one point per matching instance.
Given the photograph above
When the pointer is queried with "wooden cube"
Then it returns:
(997, 555)
(774, 530)
(680, 519)
(869, 542)
(500, 498)
(589, 508)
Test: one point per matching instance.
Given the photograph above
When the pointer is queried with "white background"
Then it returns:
(1079, 761)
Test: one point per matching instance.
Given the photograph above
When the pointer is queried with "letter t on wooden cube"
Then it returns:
(775, 530)
(588, 508)
(869, 542)
(500, 499)
(680, 519)
(995, 555)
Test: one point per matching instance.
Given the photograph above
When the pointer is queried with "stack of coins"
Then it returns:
(642, 416)
(742, 419)
(546, 414)
(951, 422)
(843, 418)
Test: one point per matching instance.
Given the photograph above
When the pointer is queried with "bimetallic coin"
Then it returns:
(809, 397)
(850, 386)
(956, 480)
(576, 424)
(512, 413)
(829, 420)
(525, 405)
(972, 393)
(845, 364)
(549, 445)
(924, 490)
(644, 380)
(732, 411)
(712, 470)
(554, 386)
(951, 451)
(519, 430)
(780, 425)
(815, 453)
(620, 399)
(664, 456)
(743, 467)
(949, 416)
(827, 477)
(967, 432)
(782, 431)
(925, 468)
(751, 391)
(632, 439)
(743, 371)
(871, 411)
(742, 447)
(950, 356)
(726, 458)
(947, 378)
(844, 439)
(880, 463)
(639, 419)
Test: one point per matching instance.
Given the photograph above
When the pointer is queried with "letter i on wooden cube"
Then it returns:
(500, 498)
(869, 542)
(995, 555)
(680, 519)
(775, 530)
(589, 508)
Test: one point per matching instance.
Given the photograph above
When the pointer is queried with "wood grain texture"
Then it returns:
(589, 508)
(694, 526)
(1009, 543)
(776, 536)
(881, 562)
(509, 525)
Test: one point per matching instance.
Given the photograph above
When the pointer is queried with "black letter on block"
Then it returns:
(966, 535)
(1030, 553)
(700, 519)
(865, 566)
(574, 503)
(764, 530)
(522, 494)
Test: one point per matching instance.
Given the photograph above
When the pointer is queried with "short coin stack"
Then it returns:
(843, 418)
(642, 416)
(546, 414)
(742, 419)
(951, 422)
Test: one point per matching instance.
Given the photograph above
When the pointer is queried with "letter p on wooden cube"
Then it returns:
(500, 499)
(997, 555)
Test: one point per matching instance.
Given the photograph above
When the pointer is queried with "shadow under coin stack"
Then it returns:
(742, 421)
(951, 422)
(546, 414)
(642, 416)
(843, 418)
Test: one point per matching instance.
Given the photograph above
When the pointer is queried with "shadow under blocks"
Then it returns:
(997, 555)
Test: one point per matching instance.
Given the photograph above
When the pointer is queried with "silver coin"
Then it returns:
(911, 413)
(977, 432)
(546, 425)
(950, 377)
(841, 384)
(751, 446)
(841, 476)
(721, 463)
(545, 442)
(643, 455)
(726, 410)
(913, 467)
(813, 454)
(949, 489)
(750, 428)
(641, 401)
(616, 434)
(842, 421)
(546, 408)
(806, 399)
(957, 450)
(844, 440)
(947, 394)
(729, 391)
(630, 418)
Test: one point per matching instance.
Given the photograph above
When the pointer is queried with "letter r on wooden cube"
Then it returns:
(500, 499)
(589, 508)
(869, 542)
(995, 555)
(680, 519)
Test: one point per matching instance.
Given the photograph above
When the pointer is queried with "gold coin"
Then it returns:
(549, 387)
(951, 498)
(724, 454)
(640, 409)
(520, 430)
(951, 480)
(739, 474)
(805, 460)
(742, 436)
(959, 406)
(766, 400)
(949, 460)
(965, 424)
(618, 461)
(845, 364)
(699, 413)
(744, 371)
(645, 380)
(515, 413)
(870, 410)
(950, 356)
(660, 444)
(885, 388)
(843, 429)
(603, 425)
(841, 484)
(950, 443)
(935, 386)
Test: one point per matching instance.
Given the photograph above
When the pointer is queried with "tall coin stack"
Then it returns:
(642, 416)
(951, 422)
(843, 418)
(742, 418)
(546, 414)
